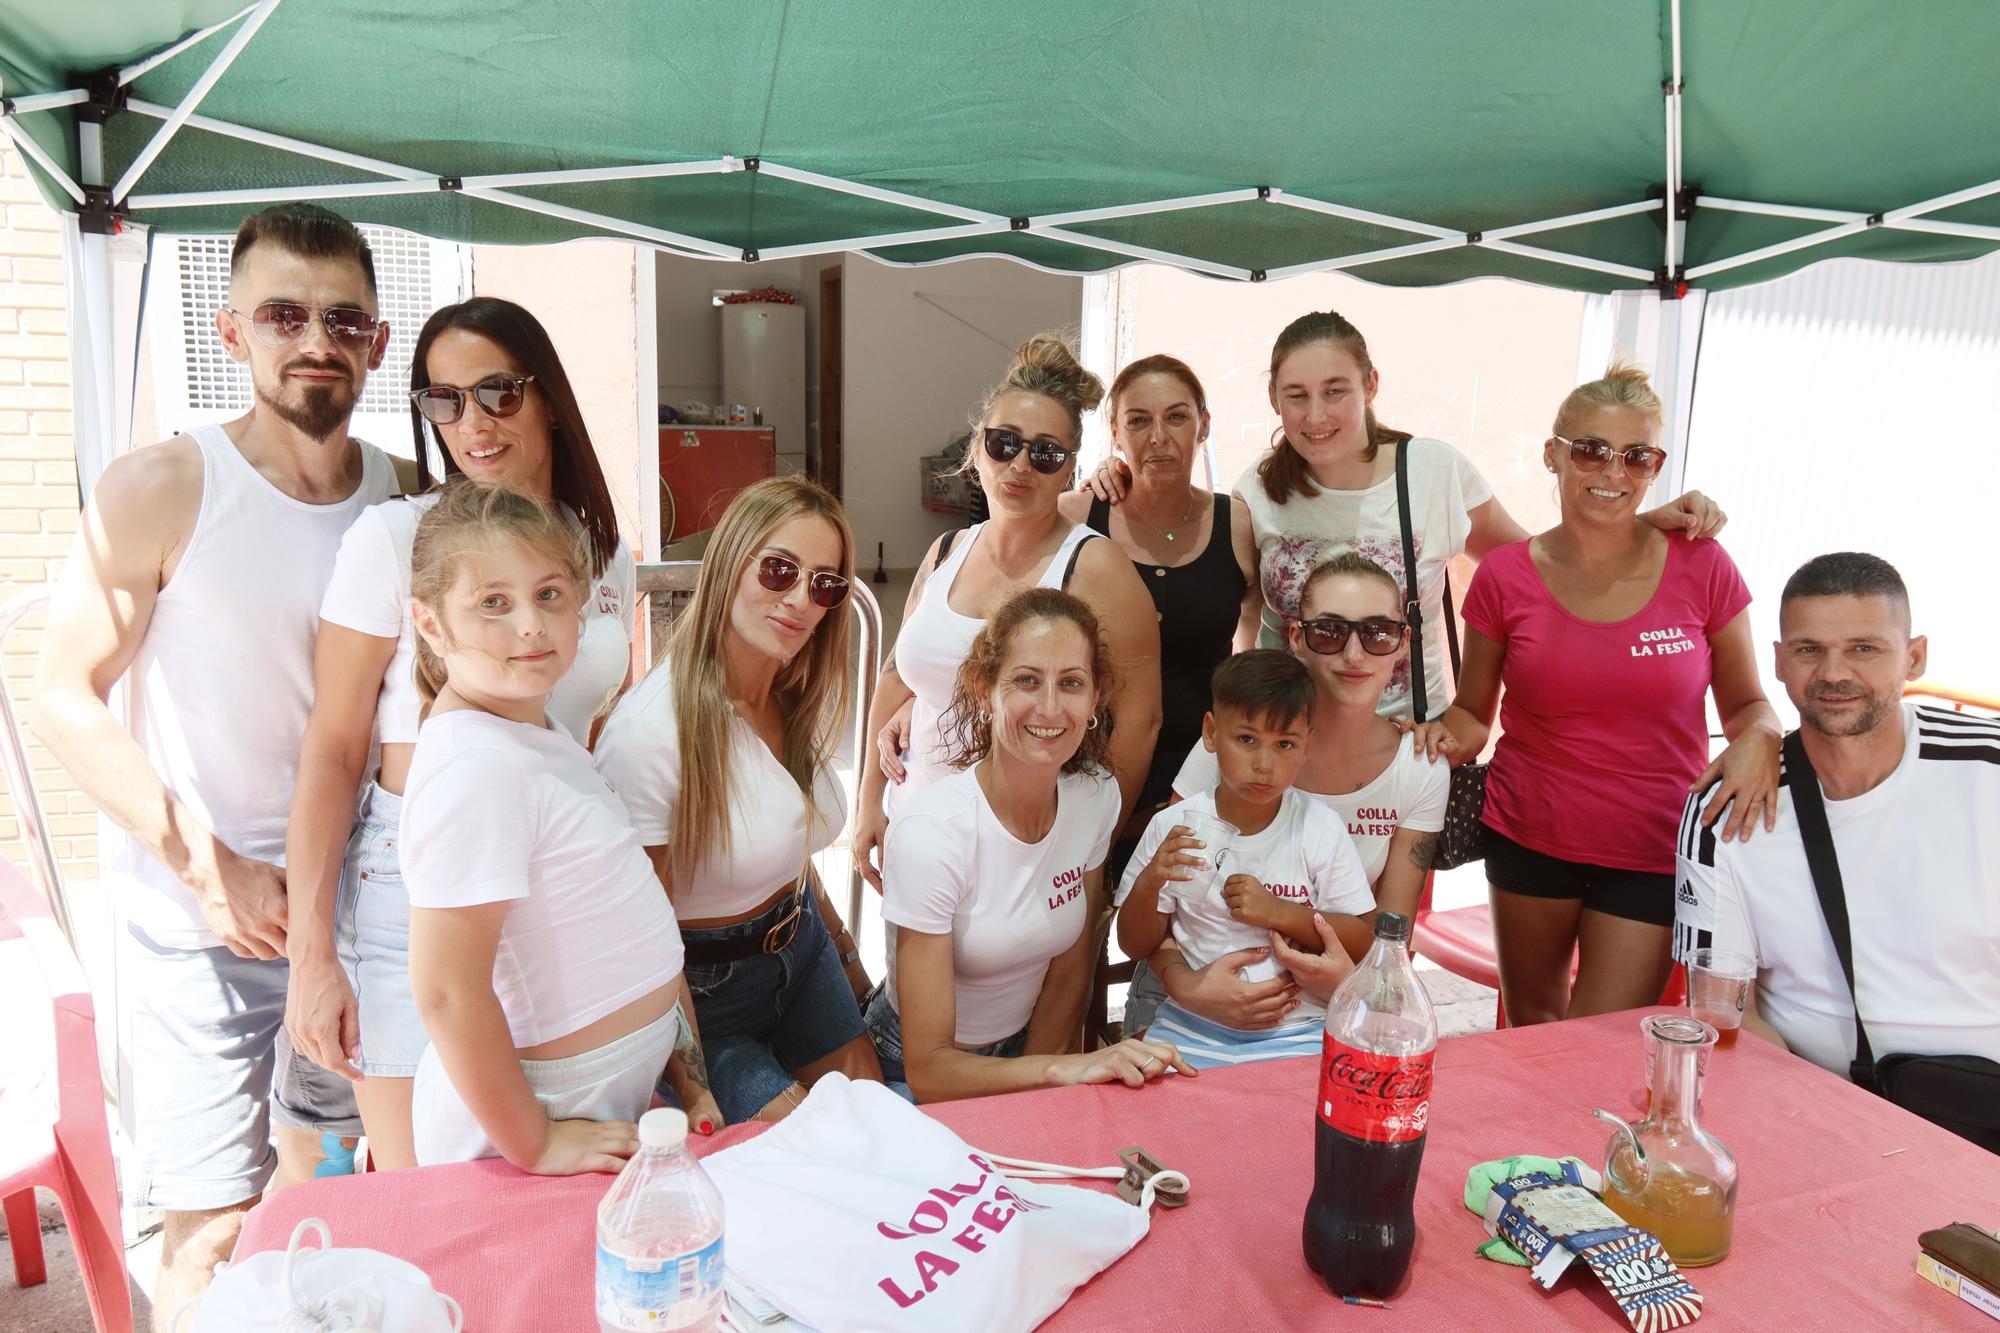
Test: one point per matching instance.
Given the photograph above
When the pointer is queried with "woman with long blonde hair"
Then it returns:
(722, 756)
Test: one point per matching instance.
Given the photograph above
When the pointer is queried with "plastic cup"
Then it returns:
(1718, 989)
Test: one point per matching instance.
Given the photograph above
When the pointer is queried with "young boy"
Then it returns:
(1290, 857)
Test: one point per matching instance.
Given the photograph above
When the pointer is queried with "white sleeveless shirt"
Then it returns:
(931, 647)
(222, 683)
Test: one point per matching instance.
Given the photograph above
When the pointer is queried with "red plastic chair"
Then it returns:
(71, 1154)
(1461, 942)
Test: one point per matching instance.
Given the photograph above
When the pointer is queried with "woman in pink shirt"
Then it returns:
(1606, 633)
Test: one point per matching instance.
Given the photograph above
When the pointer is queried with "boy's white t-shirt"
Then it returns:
(771, 832)
(1302, 856)
(1411, 793)
(370, 593)
(1920, 870)
(1010, 907)
(499, 811)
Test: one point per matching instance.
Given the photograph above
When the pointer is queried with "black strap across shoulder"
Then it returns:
(1413, 605)
(1809, 805)
(944, 547)
(1075, 552)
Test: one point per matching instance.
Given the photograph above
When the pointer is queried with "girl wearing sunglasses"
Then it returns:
(489, 392)
(722, 756)
(1025, 437)
(1391, 798)
(1605, 633)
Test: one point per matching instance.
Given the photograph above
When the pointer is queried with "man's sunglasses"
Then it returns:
(1327, 635)
(497, 396)
(280, 323)
(1590, 454)
(1044, 456)
(823, 589)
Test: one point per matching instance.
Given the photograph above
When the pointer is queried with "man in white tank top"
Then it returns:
(197, 577)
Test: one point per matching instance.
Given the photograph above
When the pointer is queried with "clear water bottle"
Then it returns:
(659, 1237)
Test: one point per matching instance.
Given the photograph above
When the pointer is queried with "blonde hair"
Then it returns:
(966, 731)
(469, 519)
(1622, 385)
(812, 690)
(1045, 365)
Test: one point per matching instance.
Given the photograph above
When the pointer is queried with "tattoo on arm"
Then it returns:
(1424, 850)
(688, 1046)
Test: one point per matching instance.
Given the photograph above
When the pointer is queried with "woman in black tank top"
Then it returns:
(1192, 551)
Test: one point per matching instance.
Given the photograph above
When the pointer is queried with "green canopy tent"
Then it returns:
(1659, 145)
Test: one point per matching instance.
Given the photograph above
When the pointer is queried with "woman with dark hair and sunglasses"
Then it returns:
(1606, 634)
(487, 388)
(1025, 439)
(723, 758)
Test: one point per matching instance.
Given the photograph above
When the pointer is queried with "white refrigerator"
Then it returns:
(764, 366)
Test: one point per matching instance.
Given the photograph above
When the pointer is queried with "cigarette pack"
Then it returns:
(1974, 1295)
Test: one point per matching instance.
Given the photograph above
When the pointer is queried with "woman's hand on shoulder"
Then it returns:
(1693, 513)
(1432, 740)
(1744, 781)
(1111, 480)
(1133, 1062)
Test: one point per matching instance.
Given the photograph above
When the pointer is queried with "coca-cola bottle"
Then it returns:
(1374, 1108)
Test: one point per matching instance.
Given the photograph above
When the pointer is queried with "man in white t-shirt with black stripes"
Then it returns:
(1912, 797)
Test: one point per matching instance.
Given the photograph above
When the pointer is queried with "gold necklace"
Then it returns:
(1168, 533)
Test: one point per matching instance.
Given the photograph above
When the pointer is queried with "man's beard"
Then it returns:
(1875, 709)
(316, 410)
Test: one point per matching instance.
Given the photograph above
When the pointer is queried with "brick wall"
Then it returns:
(38, 497)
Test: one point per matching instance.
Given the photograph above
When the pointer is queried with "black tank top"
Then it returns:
(1198, 605)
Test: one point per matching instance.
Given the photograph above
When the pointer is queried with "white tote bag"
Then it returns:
(858, 1211)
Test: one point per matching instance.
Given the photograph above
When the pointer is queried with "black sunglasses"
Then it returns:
(1327, 635)
(823, 589)
(497, 396)
(1044, 456)
(280, 323)
(1591, 454)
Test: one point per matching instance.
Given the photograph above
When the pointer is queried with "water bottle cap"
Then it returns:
(1392, 926)
(664, 1128)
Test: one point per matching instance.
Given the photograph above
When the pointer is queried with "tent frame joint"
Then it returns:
(1264, 193)
(1686, 200)
(1875, 219)
(753, 164)
(107, 96)
(1257, 275)
(98, 215)
(1019, 224)
(749, 256)
(1475, 237)
(449, 184)
(1672, 286)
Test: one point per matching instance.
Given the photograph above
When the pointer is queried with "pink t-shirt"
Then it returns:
(1603, 726)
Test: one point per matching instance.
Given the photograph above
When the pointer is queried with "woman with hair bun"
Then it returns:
(1026, 434)
(995, 871)
(1605, 633)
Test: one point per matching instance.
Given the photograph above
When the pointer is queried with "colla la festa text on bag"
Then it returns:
(935, 1213)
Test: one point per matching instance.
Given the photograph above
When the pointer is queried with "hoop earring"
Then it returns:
(1092, 724)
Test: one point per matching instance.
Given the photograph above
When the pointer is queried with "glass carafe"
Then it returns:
(1667, 1174)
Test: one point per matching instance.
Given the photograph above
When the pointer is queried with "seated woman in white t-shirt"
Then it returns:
(544, 960)
(1391, 798)
(1288, 858)
(995, 874)
(722, 756)
(488, 387)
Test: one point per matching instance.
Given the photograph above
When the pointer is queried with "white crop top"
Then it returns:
(770, 830)
(370, 592)
(1010, 907)
(500, 811)
(932, 646)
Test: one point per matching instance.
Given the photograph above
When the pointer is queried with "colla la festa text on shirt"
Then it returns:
(1067, 887)
(1662, 643)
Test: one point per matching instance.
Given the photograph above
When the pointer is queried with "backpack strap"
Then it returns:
(1809, 806)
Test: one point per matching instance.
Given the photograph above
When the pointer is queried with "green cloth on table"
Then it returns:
(1479, 1183)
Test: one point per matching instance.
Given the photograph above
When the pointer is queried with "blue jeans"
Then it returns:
(372, 930)
(765, 1017)
(885, 1026)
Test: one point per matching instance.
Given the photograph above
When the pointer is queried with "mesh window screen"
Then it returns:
(403, 290)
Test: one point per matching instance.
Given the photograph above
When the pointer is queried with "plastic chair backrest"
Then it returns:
(80, 1094)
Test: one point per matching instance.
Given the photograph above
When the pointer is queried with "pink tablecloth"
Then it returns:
(1836, 1185)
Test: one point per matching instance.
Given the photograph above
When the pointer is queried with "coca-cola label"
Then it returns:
(1378, 1098)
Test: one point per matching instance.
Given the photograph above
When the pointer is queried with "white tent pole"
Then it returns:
(1805, 242)
(658, 235)
(1573, 261)
(283, 142)
(283, 194)
(26, 143)
(1142, 252)
(1673, 136)
(1492, 234)
(852, 243)
(1783, 210)
(875, 192)
(516, 180)
(217, 68)
(1290, 200)
(92, 315)
(1943, 201)
(1969, 230)
(1452, 242)
(161, 57)
(1117, 211)
(49, 101)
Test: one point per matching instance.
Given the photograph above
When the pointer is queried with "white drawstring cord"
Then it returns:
(313, 1317)
(1022, 1169)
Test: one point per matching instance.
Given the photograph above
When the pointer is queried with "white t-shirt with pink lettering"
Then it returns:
(1302, 856)
(1010, 907)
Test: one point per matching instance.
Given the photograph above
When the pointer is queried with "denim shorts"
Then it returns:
(885, 1026)
(212, 1072)
(371, 928)
(1143, 999)
(765, 1017)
